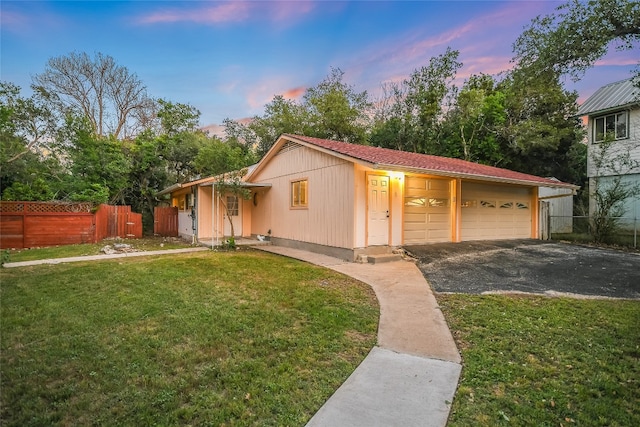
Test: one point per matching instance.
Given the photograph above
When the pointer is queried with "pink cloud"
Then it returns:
(223, 12)
(294, 93)
(12, 19)
(233, 11)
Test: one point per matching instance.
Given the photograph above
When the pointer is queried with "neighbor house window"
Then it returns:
(299, 193)
(232, 205)
(614, 126)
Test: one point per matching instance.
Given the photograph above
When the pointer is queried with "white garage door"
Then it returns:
(427, 215)
(495, 212)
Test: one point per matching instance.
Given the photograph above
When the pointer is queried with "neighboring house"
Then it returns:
(347, 200)
(613, 112)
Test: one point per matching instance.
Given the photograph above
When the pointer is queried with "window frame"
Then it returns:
(604, 118)
(233, 205)
(301, 191)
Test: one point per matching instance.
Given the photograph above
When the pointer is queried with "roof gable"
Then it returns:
(384, 158)
(610, 97)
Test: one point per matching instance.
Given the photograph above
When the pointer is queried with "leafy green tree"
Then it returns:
(540, 132)
(571, 40)
(336, 111)
(332, 109)
(98, 166)
(471, 127)
(417, 107)
(28, 164)
(281, 116)
(217, 157)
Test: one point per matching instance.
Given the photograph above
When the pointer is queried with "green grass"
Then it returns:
(535, 361)
(200, 339)
(144, 244)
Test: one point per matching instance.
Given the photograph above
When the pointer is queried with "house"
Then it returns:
(347, 200)
(613, 113)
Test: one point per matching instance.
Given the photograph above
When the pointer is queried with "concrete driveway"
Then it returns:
(529, 266)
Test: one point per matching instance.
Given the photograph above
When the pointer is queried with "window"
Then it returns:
(232, 205)
(614, 126)
(438, 203)
(299, 193)
(487, 204)
(506, 205)
(415, 201)
(522, 205)
(469, 204)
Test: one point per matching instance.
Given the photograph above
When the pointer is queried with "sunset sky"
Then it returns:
(229, 59)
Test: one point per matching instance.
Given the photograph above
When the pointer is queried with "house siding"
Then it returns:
(328, 219)
(632, 144)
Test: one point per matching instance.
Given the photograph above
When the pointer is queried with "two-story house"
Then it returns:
(613, 121)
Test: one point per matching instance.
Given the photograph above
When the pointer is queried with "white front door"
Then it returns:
(234, 209)
(378, 210)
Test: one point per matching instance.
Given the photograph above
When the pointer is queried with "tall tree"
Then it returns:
(472, 125)
(27, 158)
(578, 34)
(112, 98)
(336, 110)
(417, 107)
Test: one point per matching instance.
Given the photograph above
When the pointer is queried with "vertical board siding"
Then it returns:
(328, 218)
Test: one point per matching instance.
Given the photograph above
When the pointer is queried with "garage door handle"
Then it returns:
(387, 214)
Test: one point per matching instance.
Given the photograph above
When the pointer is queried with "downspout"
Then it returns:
(213, 215)
(194, 218)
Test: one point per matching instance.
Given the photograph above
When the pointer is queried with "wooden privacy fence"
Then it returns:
(165, 221)
(36, 224)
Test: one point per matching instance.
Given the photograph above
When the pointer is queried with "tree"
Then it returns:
(471, 128)
(217, 157)
(112, 99)
(418, 106)
(332, 109)
(98, 166)
(578, 34)
(540, 132)
(336, 110)
(28, 164)
(231, 183)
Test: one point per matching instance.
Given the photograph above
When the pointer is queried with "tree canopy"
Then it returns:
(571, 40)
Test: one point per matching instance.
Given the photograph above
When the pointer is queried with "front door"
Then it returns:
(234, 211)
(378, 210)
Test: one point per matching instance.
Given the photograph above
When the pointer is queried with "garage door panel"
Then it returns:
(427, 216)
(495, 212)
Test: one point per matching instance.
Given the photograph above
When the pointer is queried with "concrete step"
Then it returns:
(377, 259)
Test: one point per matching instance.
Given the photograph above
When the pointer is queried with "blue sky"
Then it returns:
(229, 59)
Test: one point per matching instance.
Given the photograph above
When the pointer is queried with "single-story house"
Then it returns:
(347, 200)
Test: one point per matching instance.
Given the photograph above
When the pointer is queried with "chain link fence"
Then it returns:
(580, 229)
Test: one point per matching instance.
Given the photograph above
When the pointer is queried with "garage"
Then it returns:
(427, 210)
(495, 212)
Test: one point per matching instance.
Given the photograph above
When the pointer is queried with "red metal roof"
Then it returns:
(384, 158)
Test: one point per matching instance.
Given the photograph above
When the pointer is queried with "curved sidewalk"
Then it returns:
(410, 377)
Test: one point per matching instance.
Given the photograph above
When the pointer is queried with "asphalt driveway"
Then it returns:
(529, 266)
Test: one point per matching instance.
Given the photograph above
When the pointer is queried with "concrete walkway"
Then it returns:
(410, 378)
(101, 257)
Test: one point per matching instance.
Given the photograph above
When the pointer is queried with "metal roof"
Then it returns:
(612, 96)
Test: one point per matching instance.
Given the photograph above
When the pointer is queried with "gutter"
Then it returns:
(380, 166)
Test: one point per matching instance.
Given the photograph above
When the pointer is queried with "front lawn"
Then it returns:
(536, 361)
(197, 339)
